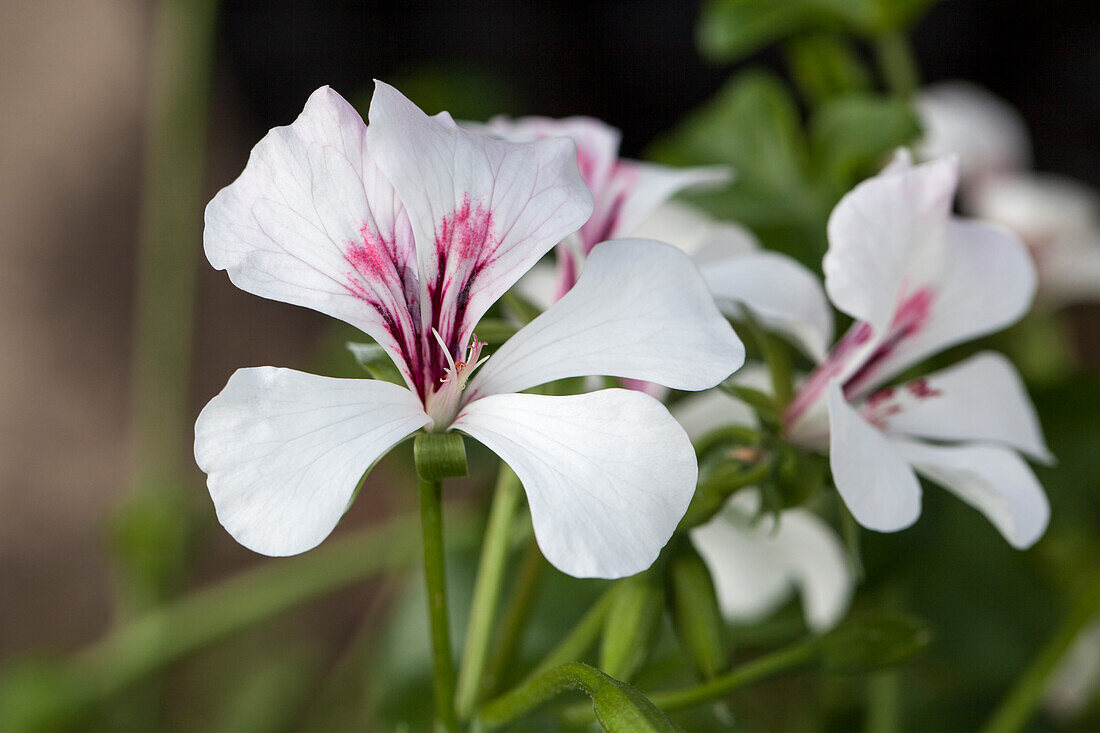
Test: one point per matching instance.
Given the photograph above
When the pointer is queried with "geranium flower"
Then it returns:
(1057, 217)
(626, 191)
(410, 229)
(758, 561)
(917, 279)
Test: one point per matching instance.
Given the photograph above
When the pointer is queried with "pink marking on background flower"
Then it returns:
(909, 319)
(833, 366)
(920, 389)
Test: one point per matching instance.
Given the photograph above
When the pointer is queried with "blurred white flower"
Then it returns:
(410, 229)
(917, 280)
(625, 191)
(1058, 218)
(1075, 682)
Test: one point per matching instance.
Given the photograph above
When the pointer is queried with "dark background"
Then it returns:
(634, 63)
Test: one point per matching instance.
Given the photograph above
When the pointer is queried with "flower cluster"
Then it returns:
(412, 227)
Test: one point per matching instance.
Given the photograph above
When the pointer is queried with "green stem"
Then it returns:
(1019, 705)
(884, 702)
(896, 62)
(747, 674)
(580, 639)
(435, 574)
(514, 618)
(490, 575)
(171, 233)
(161, 636)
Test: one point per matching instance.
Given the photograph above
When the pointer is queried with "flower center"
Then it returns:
(443, 403)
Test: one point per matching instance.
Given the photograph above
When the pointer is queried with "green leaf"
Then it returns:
(826, 65)
(870, 641)
(753, 125)
(852, 136)
(695, 612)
(630, 626)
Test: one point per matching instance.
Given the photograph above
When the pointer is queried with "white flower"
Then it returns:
(626, 191)
(756, 565)
(989, 137)
(410, 229)
(1058, 218)
(917, 279)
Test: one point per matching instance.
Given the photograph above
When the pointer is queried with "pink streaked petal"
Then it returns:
(313, 222)
(992, 479)
(608, 475)
(877, 484)
(640, 310)
(982, 399)
(482, 211)
(284, 451)
(886, 239)
(987, 282)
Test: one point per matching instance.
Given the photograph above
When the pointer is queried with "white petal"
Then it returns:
(695, 233)
(783, 294)
(886, 235)
(640, 310)
(483, 211)
(539, 285)
(311, 221)
(987, 134)
(608, 474)
(994, 480)
(987, 283)
(981, 399)
(1070, 272)
(1038, 207)
(637, 189)
(875, 481)
(284, 451)
(597, 142)
(755, 567)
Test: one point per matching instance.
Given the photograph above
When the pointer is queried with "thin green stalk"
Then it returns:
(171, 238)
(150, 642)
(580, 639)
(1019, 704)
(487, 587)
(435, 574)
(514, 619)
(717, 688)
(896, 63)
(884, 702)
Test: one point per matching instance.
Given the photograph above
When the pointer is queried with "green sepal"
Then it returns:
(799, 476)
(630, 626)
(696, 615)
(873, 640)
(376, 361)
(439, 455)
